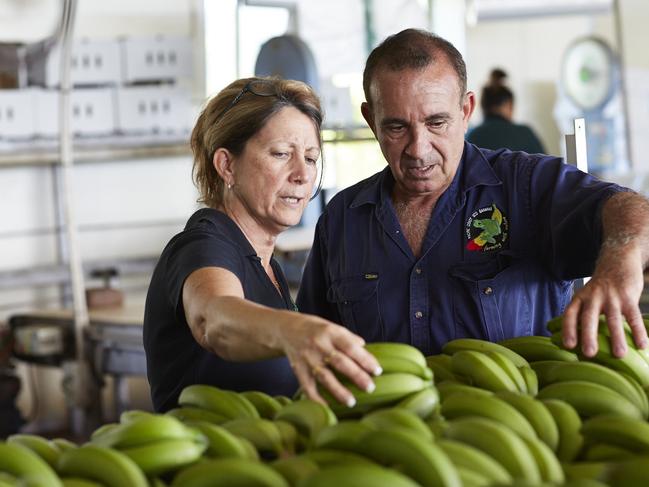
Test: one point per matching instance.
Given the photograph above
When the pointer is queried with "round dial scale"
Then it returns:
(588, 73)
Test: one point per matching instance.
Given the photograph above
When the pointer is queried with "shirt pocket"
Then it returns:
(490, 298)
(357, 300)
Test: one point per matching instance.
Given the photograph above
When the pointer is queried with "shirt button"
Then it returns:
(419, 314)
(418, 270)
(488, 290)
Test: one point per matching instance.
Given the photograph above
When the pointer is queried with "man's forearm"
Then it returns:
(625, 226)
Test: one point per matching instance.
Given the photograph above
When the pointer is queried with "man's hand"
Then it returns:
(617, 282)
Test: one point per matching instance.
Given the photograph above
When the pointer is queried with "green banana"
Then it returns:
(536, 348)
(531, 380)
(586, 470)
(165, 455)
(593, 372)
(329, 457)
(308, 416)
(639, 390)
(502, 444)
(632, 363)
(79, 482)
(629, 433)
(482, 370)
(441, 367)
(39, 445)
(190, 413)
(267, 406)
(344, 435)
(542, 368)
(283, 400)
(262, 433)
(222, 443)
(105, 465)
(491, 407)
(537, 415)
(590, 399)
(381, 419)
(423, 403)
(633, 472)
(447, 389)
(394, 349)
(290, 437)
(417, 457)
(390, 388)
(472, 478)
(505, 363)
(483, 346)
(21, 462)
(63, 444)
(229, 472)
(133, 414)
(569, 423)
(355, 475)
(145, 429)
(549, 467)
(295, 469)
(603, 452)
(7, 480)
(220, 401)
(469, 457)
(103, 429)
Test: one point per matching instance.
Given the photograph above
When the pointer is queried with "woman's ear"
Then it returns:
(222, 161)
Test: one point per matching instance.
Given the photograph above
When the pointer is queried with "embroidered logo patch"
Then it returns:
(486, 229)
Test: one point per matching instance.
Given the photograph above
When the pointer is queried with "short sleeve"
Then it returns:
(193, 250)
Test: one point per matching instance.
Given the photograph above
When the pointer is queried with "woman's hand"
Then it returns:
(316, 348)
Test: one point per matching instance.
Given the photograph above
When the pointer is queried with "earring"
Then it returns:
(229, 185)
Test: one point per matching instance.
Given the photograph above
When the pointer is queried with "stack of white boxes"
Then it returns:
(125, 87)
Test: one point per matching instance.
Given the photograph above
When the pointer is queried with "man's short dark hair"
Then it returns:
(412, 49)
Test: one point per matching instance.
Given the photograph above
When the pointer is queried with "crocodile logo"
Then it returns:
(486, 229)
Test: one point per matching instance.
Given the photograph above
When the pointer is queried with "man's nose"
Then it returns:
(418, 144)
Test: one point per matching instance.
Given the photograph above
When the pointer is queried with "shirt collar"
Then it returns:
(474, 170)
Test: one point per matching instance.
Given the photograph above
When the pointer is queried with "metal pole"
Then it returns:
(79, 371)
(623, 94)
(370, 36)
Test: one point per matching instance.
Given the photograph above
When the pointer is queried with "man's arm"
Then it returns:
(617, 282)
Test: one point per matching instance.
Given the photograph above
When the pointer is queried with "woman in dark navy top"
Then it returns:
(218, 309)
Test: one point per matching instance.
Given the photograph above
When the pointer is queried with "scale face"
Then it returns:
(588, 73)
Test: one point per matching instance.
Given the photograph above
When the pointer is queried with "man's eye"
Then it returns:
(437, 124)
(311, 160)
(280, 154)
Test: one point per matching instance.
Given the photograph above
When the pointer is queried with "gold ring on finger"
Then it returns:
(331, 356)
(317, 370)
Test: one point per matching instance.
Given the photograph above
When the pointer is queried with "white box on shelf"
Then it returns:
(154, 109)
(92, 63)
(156, 59)
(92, 112)
(17, 114)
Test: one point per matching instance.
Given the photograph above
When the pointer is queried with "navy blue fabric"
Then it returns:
(174, 358)
(362, 273)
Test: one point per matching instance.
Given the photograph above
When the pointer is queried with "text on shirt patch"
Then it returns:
(486, 229)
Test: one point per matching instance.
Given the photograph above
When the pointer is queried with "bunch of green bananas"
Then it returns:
(156, 443)
(405, 375)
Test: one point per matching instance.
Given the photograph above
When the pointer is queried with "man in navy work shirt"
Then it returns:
(451, 240)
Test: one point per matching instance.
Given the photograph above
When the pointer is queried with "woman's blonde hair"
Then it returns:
(235, 115)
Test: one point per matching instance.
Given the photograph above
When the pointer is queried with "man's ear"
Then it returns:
(366, 111)
(468, 105)
(222, 162)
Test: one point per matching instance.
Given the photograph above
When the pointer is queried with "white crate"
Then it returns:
(153, 109)
(92, 112)
(17, 114)
(156, 59)
(92, 63)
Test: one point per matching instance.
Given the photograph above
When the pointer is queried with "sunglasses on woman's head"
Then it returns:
(257, 87)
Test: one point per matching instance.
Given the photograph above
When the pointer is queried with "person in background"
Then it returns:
(451, 240)
(218, 309)
(497, 131)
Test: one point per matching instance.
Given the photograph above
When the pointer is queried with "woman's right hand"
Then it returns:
(316, 348)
